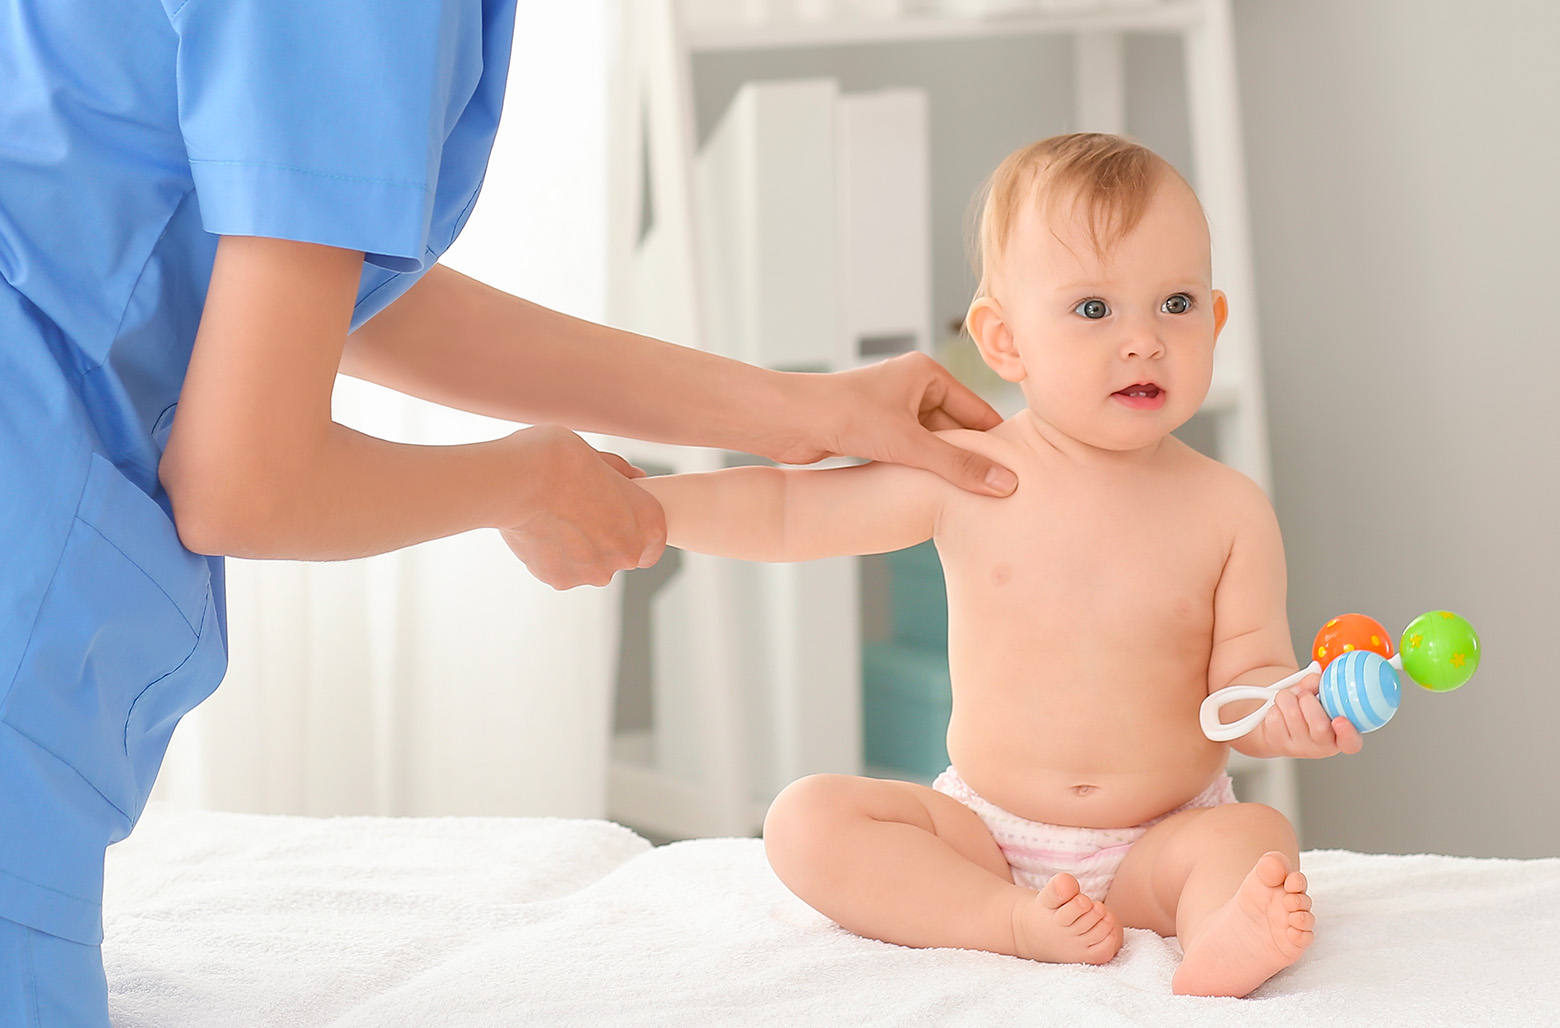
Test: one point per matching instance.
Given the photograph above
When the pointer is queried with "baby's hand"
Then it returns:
(1298, 725)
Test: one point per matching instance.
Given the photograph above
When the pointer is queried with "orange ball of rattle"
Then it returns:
(1350, 632)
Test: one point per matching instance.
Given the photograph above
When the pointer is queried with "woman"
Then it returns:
(213, 207)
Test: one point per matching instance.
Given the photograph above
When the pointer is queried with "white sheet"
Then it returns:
(230, 920)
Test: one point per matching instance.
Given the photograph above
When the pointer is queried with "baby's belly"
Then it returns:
(1120, 784)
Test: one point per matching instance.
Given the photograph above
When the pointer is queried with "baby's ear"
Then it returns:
(1221, 312)
(994, 338)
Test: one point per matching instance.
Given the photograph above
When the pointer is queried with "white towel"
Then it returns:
(220, 919)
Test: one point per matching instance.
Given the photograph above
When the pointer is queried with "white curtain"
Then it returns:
(442, 679)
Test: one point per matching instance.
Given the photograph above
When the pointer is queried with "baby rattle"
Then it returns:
(1439, 650)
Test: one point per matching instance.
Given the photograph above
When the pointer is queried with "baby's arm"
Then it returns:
(1251, 643)
(792, 514)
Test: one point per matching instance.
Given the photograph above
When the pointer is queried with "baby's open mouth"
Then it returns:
(1140, 396)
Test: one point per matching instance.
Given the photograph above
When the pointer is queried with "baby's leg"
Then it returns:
(907, 865)
(1224, 880)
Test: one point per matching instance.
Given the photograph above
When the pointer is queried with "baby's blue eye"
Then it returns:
(1180, 303)
(1092, 309)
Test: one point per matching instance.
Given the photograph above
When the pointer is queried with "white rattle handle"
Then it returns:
(1208, 714)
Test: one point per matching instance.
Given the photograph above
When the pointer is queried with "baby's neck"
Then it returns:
(1046, 440)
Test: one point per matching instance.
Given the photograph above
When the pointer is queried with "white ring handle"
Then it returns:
(1208, 714)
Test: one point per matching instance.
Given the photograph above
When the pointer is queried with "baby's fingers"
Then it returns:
(1327, 735)
(1318, 723)
(1305, 722)
(1350, 740)
(1333, 734)
(1292, 720)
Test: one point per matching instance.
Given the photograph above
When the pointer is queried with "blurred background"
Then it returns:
(1400, 163)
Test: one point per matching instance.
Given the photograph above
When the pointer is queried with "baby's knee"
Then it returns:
(804, 801)
(807, 817)
(1255, 821)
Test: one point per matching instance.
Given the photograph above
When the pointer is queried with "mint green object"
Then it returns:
(906, 703)
(906, 694)
(1439, 650)
(918, 600)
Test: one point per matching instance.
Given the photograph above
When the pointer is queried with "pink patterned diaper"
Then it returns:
(1036, 850)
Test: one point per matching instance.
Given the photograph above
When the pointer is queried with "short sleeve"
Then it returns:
(325, 121)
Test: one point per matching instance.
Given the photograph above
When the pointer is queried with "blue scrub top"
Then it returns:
(132, 134)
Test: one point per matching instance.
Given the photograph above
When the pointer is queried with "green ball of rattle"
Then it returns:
(1439, 650)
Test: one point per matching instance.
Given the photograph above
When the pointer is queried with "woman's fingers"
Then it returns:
(889, 411)
(585, 520)
(621, 465)
(964, 468)
(942, 392)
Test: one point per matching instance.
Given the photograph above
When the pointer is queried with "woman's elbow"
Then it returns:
(217, 511)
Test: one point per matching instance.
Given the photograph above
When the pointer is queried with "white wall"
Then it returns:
(1403, 159)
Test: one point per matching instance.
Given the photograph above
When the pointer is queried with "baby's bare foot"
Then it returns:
(1061, 925)
(1263, 929)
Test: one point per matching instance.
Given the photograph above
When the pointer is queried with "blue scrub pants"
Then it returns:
(47, 982)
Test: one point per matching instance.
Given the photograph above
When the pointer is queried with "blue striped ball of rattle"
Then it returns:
(1363, 687)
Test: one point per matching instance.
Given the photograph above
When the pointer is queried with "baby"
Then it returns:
(1089, 613)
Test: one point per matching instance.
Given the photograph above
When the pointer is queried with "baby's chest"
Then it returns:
(1102, 563)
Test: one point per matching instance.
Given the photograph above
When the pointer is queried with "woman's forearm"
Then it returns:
(347, 495)
(461, 343)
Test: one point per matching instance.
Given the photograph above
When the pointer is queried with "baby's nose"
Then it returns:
(1143, 342)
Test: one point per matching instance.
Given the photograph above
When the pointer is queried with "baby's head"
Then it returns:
(1095, 289)
(1104, 182)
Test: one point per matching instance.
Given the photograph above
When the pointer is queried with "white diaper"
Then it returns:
(1036, 851)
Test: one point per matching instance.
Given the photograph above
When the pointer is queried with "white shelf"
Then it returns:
(794, 33)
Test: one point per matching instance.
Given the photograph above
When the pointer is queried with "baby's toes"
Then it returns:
(1092, 918)
(1300, 930)
(1066, 899)
(1060, 890)
(1079, 913)
(1273, 872)
(1101, 935)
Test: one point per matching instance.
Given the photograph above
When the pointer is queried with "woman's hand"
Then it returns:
(582, 518)
(888, 412)
(1298, 725)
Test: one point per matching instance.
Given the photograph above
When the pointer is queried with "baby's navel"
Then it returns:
(1085, 790)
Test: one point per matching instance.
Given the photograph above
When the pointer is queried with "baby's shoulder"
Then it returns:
(1220, 488)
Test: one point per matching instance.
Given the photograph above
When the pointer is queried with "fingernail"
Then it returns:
(1001, 480)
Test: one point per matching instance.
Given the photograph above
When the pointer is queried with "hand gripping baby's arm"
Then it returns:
(793, 514)
(1252, 645)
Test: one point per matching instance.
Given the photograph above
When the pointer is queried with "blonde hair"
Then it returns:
(1106, 178)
